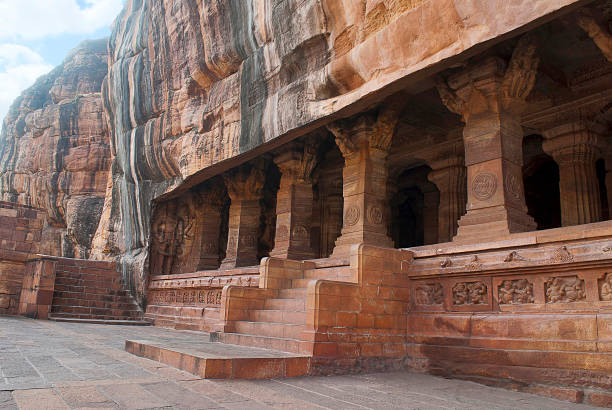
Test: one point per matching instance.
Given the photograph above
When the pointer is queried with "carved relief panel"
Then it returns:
(565, 290)
(470, 293)
(187, 297)
(517, 291)
(172, 235)
(429, 294)
(605, 288)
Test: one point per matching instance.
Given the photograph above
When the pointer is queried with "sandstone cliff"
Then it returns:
(194, 84)
(54, 151)
(193, 87)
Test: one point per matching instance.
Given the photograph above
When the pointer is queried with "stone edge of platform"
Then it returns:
(222, 368)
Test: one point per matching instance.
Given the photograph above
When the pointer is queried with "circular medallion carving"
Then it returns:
(513, 187)
(351, 217)
(375, 215)
(299, 233)
(484, 186)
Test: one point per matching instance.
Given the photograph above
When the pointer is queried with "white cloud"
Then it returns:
(34, 19)
(19, 68)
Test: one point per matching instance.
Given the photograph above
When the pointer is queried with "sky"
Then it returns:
(36, 35)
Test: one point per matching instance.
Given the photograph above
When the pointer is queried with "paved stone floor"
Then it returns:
(49, 365)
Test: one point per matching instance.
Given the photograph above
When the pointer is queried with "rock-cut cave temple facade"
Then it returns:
(372, 184)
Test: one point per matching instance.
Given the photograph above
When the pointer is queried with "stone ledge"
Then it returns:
(212, 360)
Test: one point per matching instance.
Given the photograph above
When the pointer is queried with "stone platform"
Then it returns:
(56, 365)
(212, 360)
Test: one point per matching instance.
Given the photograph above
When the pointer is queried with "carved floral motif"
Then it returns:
(351, 217)
(470, 293)
(513, 257)
(561, 255)
(484, 186)
(565, 289)
(375, 215)
(515, 292)
(429, 294)
(474, 264)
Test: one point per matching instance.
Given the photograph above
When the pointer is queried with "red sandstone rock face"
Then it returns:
(54, 151)
(191, 84)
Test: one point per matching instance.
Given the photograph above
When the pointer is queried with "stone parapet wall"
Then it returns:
(535, 313)
(20, 233)
(193, 300)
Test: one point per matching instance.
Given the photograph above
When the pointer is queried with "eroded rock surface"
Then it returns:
(54, 150)
(194, 83)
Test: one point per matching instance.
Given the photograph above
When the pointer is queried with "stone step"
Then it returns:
(102, 321)
(89, 290)
(296, 293)
(88, 275)
(124, 304)
(282, 330)
(298, 304)
(60, 315)
(93, 284)
(219, 361)
(264, 342)
(84, 310)
(278, 316)
(91, 296)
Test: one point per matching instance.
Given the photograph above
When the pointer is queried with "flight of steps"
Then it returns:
(280, 323)
(93, 292)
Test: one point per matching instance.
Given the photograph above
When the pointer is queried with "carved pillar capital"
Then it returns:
(491, 86)
(212, 194)
(245, 182)
(574, 141)
(297, 161)
(366, 131)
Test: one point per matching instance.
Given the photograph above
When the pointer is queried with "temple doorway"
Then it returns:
(414, 209)
(541, 181)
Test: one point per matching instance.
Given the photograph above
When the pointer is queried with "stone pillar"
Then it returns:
(575, 148)
(364, 142)
(490, 98)
(451, 182)
(211, 201)
(245, 189)
(294, 202)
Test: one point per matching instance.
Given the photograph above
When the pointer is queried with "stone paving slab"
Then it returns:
(58, 365)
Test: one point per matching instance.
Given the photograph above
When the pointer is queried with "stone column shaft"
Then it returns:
(451, 182)
(244, 186)
(211, 203)
(294, 202)
(575, 148)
